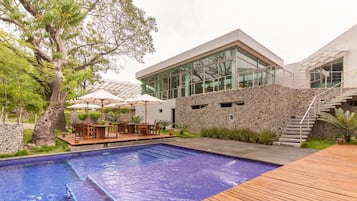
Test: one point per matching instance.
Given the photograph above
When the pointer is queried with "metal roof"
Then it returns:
(124, 90)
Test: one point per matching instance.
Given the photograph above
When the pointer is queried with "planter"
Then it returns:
(63, 134)
(340, 140)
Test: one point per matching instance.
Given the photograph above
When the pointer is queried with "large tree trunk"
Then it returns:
(61, 121)
(44, 132)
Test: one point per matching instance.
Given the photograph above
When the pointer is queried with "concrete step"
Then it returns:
(295, 140)
(283, 136)
(299, 125)
(291, 144)
(299, 120)
(295, 132)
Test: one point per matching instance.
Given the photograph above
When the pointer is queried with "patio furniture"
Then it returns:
(156, 128)
(145, 129)
(112, 129)
(91, 131)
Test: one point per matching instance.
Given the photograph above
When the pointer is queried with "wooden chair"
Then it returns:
(156, 128)
(91, 131)
(113, 128)
(78, 130)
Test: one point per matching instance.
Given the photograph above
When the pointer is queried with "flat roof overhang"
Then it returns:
(323, 58)
(232, 39)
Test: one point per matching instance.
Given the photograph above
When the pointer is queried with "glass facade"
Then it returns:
(327, 75)
(228, 69)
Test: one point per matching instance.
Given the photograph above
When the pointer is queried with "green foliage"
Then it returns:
(243, 134)
(112, 115)
(345, 120)
(267, 137)
(94, 116)
(164, 123)
(67, 37)
(27, 137)
(82, 116)
(137, 119)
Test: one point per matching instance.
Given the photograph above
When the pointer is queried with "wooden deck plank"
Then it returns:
(70, 139)
(330, 174)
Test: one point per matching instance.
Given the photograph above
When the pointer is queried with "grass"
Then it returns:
(177, 133)
(27, 138)
(322, 143)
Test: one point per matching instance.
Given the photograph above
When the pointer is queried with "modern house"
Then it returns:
(235, 82)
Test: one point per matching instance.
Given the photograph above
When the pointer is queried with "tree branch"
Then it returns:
(11, 21)
(28, 6)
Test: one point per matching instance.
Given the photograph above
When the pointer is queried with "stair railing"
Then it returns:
(315, 106)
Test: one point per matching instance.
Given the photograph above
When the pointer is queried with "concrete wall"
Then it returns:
(156, 112)
(265, 107)
(11, 138)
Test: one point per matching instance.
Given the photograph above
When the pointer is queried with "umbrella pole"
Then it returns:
(101, 111)
(118, 115)
(145, 111)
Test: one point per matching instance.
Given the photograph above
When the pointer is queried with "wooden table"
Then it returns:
(99, 130)
(144, 129)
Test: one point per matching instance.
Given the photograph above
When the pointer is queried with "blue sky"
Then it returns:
(292, 29)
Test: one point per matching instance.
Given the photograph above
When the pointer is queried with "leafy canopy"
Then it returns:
(345, 120)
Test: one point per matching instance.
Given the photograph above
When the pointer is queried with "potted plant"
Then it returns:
(181, 127)
(137, 119)
(82, 116)
(164, 124)
(94, 116)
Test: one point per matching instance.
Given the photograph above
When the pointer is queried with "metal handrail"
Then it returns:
(307, 113)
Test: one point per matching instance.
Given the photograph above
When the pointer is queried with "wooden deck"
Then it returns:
(70, 139)
(330, 174)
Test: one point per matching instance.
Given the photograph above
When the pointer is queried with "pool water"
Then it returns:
(150, 172)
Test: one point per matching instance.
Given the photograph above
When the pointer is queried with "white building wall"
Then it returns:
(350, 68)
(156, 112)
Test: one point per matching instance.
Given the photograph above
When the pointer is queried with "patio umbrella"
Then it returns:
(144, 100)
(83, 106)
(102, 97)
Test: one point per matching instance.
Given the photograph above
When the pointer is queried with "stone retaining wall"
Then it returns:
(264, 108)
(11, 138)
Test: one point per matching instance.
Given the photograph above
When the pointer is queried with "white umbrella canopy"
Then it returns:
(83, 106)
(144, 100)
(101, 96)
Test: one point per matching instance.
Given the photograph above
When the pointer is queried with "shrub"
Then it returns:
(204, 132)
(246, 134)
(243, 134)
(267, 137)
(224, 133)
(234, 135)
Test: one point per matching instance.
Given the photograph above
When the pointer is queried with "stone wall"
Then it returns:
(324, 129)
(265, 107)
(11, 138)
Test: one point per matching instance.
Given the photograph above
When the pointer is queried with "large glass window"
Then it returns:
(219, 71)
(327, 75)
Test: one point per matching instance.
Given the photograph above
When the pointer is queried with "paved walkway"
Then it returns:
(280, 155)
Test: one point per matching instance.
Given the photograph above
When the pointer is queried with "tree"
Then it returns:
(17, 87)
(345, 120)
(73, 35)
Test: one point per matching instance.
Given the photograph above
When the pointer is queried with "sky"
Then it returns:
(292, 29)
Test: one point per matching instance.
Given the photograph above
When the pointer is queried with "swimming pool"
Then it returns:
(149, 172)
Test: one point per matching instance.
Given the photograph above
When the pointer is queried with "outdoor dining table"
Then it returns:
(145, 129)
(100, 130)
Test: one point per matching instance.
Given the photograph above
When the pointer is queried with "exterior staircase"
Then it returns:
(297, 129)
